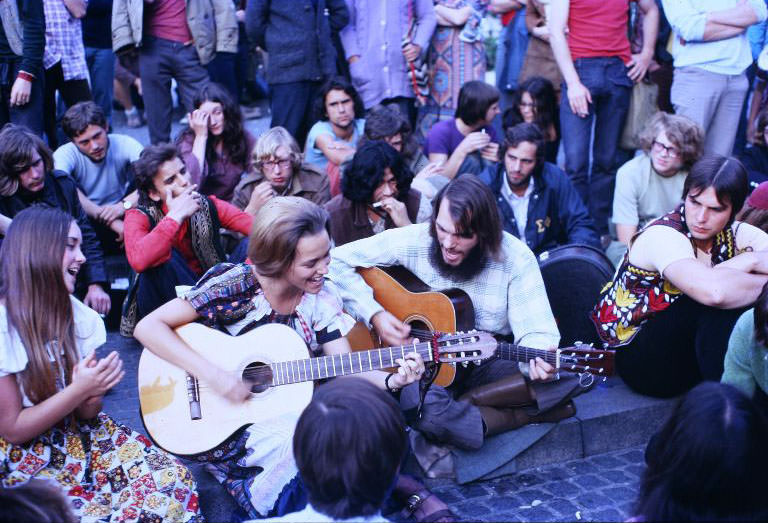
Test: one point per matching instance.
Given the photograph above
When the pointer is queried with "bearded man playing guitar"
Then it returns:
(465, 247)
(285, 283)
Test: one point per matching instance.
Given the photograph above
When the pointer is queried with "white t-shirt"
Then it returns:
(89, 335)
(659, 246)
(104, 182)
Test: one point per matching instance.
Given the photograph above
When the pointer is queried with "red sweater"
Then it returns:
(147, 248)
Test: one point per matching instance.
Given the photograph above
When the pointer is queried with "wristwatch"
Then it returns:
(127, 204)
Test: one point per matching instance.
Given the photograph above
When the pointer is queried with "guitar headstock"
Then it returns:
(584, 358)
(465, 347)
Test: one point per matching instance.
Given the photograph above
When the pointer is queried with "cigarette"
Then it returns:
(376, 205)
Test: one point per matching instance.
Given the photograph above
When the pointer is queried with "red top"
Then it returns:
(507, 17)
(147, 248)
(599, 28)
(167, 19)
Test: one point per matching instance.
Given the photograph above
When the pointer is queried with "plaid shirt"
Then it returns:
(508, 295)
(64, 41)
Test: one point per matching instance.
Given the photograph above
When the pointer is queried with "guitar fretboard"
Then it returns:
(322, 367)
(510, 351)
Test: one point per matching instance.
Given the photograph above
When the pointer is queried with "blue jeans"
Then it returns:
(29, 115)
(101, 67)
(610, 87)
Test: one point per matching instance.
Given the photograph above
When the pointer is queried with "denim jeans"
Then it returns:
(610, 88)
(29, 114)
(101, 67)
(159, 61)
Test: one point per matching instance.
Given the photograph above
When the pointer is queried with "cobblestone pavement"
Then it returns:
(599, 488)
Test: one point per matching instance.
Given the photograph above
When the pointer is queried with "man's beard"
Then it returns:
(469, 267)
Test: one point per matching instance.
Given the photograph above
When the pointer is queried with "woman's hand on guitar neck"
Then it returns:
(391, 330)
(540, 370)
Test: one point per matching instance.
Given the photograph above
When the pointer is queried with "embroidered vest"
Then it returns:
(636, 295)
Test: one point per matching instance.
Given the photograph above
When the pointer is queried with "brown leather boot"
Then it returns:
(512, 391)
(502, 420)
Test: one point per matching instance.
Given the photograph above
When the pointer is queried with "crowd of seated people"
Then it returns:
(404, 160)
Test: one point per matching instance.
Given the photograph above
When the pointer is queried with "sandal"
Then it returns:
(420, 503)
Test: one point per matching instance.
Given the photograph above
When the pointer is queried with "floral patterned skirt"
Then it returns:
(109, 472)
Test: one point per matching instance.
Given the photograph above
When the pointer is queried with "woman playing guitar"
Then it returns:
(284, 283)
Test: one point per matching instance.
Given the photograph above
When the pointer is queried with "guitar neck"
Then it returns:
(323, 367)
(512, 352)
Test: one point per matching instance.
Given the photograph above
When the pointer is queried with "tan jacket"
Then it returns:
(211, 22)
(308, 183)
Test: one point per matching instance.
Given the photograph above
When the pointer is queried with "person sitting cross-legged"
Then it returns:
(172, 236)
(537, 201)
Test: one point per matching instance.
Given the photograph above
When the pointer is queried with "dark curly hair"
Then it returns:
(338, 84)
(146, 167)
(366, 171)
(233, 137)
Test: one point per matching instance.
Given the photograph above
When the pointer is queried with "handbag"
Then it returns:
(642, 106)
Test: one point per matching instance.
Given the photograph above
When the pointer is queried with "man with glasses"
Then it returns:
(279, 170)
(537, 201)
(650, 184)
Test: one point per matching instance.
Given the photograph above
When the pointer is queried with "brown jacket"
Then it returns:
(308, 183)
(349, 220)
(539, 60)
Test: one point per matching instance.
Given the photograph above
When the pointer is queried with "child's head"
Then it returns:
(158, 170)
(348, 445)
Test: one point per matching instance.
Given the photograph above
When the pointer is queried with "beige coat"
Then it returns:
(211, 22)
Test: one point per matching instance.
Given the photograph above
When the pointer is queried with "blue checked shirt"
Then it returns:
(64, 41)
(508, 294)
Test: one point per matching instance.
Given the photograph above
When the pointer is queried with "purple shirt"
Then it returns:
(445, 137)
(375, 34)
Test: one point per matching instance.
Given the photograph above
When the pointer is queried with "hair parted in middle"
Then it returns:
(277, 228)
(726, 175)
(337, 84)
(17, 147)
(473, 210)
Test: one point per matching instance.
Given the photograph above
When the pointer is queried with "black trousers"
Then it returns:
(677, 349)
(71, 91)
(292, 107)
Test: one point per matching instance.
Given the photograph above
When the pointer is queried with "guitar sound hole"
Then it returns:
(258, 375)
(420, 330)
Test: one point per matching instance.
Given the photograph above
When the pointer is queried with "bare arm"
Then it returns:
(336, 152)
(156, 333)
(91, 209)
(721, 287)
(579, 96)
(625, 232)
(448, 16)
(640, 62)
(503, 6)
(19, 424)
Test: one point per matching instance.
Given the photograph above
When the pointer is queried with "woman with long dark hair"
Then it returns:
(52, 385)
(216, 148)
(536, 102)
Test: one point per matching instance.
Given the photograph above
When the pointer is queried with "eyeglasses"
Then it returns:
(271, 164)
(671, 151)
(527, 104)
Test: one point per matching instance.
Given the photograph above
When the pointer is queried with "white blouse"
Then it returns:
(89, 335)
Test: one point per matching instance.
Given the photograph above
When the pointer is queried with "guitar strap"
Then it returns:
(431, 370)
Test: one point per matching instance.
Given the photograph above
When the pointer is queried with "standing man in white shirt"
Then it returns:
(712, 53)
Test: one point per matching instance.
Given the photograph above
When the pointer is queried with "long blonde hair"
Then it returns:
(36, 298)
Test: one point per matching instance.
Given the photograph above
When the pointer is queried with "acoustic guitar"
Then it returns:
(184, 415)
(415, 303)
(412, 301)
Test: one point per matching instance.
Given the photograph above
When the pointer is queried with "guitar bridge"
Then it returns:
(193, 396)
